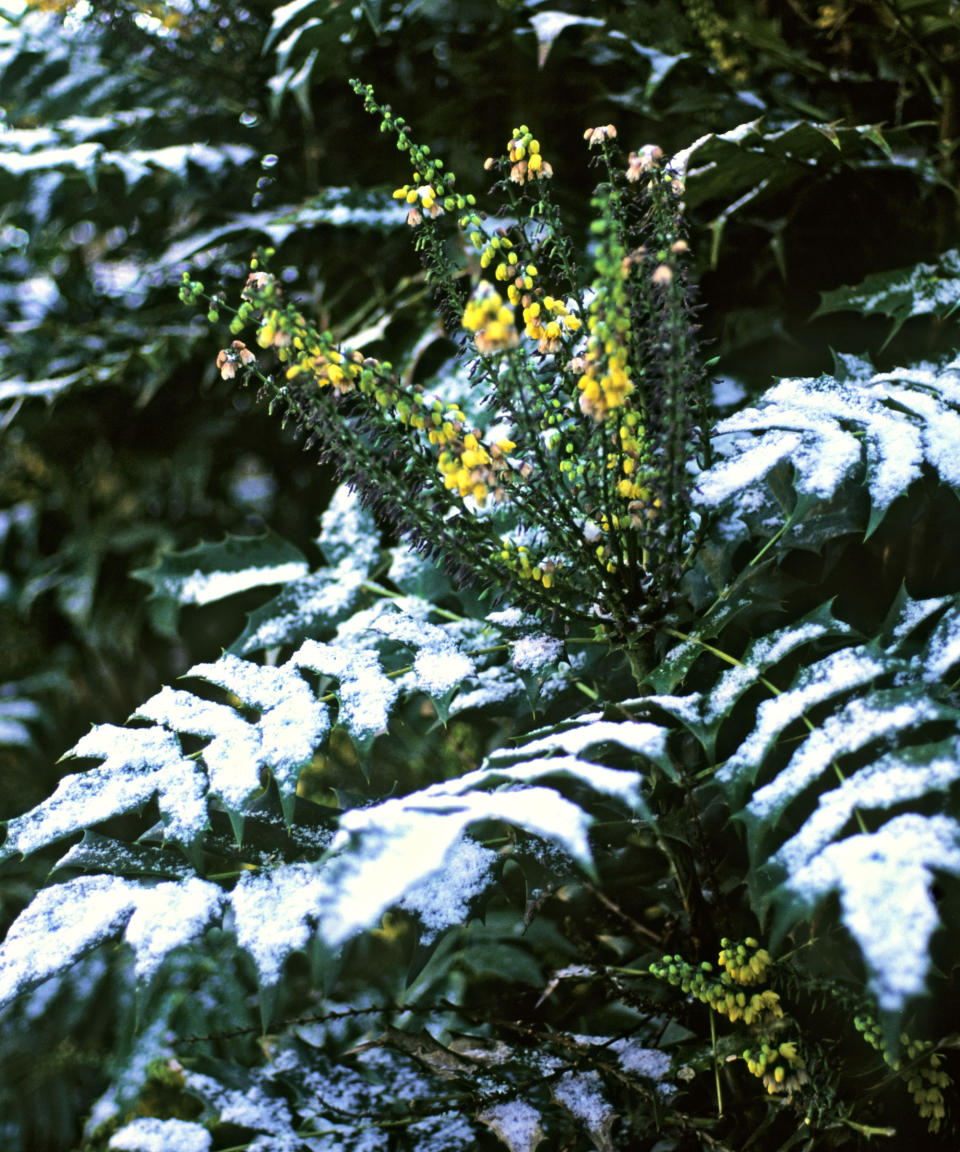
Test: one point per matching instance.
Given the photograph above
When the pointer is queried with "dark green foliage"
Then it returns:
(388, 864)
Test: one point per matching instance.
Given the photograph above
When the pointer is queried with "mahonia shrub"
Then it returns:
(560, 478)
(656, 848)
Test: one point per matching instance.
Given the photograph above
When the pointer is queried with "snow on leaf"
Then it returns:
(147, 1134)
(66, 920)
(531, 653)
(885, 427)
(59, 925)
(366, 694)
(138, 765)
(516, 1123)
(840, 672)
(443, 897)
(895, 778)
(166, 916)
(272, 910)
(882, 715)
(884, 879)
(581, 1093)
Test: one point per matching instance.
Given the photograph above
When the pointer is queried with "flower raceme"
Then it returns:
(551, 479)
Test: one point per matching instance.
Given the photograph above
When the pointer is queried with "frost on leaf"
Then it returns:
(883, 880)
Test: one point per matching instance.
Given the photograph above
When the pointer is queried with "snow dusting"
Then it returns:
(516, 1123)
(443, 898)
(138, 764)
(884, 880)
(860, 722)
(147, 1134)
(205, 587)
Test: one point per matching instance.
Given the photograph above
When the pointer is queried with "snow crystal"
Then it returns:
(857, 724)
(167, 916)
(889, 781)
(205, 587)
(348, 531)
(884, 883)
(531, 653)
(516, 1123)
(834, 674)
(443, 897)
(146, 1134)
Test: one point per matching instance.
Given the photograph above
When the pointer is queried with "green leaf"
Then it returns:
(900, 294)
(211, 572)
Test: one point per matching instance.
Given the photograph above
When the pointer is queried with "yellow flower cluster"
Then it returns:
(474, 468)
(927, 1082)
(547, 321)
(519, 561)
(422, 198)
(524, 154)
(746, 962)
(780, 1067)
(490, 320)
(606, 382)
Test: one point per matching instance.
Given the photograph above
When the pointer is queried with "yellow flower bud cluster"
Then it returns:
(518, 559)
(607, 382)
(746, 962)
(720, 993)
(926, 1080)
(547, 322)
(779, 1066)
(490, 320)
(524, 154)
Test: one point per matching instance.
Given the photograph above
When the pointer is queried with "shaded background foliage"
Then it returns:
(133, 148)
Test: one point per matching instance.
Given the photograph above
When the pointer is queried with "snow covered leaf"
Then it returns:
(211, 572)
(67, 920)
(879, 432)
(918, 290)
(138, 765)
(822, 799)
(549, 25)
(516, 1123)
(312, 605)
